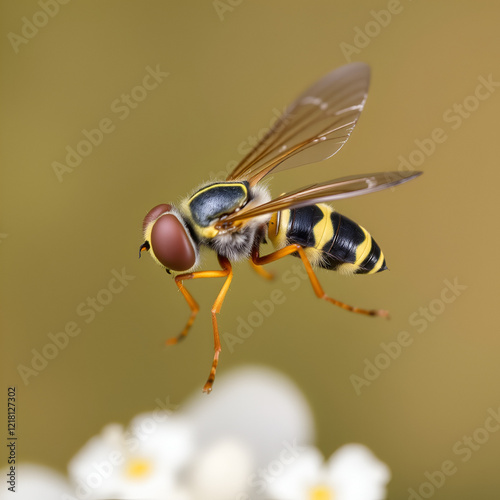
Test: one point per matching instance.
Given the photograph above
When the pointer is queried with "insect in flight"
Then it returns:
(235, 216)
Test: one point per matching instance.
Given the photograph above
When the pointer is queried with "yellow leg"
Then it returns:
(261, 271)
(318, 290)
(227, 272)
(193, 305)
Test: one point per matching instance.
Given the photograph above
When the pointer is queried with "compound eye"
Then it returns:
(154, 213)
(171, 244)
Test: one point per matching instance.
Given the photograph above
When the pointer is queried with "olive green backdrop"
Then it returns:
(223, 70)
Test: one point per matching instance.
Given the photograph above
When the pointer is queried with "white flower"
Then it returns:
(351, 473)
(261, 411)
(251, 438)
(221, 472)
(35, 482)
(141, 462)
(260, 407)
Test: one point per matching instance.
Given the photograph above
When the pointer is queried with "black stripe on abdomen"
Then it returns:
(301, 225)
(341, 249)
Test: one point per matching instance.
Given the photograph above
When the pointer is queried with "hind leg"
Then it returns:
(318, 289)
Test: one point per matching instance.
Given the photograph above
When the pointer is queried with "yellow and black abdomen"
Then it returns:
(331, 240)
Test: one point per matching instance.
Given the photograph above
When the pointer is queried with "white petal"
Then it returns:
(158, 486)
(35, 482)
(95, 467)
(161, 434)
(222, 471)
(298, 476)
(157, 441)
(257, 406)
(355, 473)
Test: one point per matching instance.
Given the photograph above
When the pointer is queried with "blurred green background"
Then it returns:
(231, 67)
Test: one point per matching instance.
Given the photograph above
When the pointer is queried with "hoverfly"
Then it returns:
(235, 216)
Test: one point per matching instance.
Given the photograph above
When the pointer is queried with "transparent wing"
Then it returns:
(314, 127)
(319, 193)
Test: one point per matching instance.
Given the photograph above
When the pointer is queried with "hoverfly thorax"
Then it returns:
(207, 209)
(210, 204)
(168, 239)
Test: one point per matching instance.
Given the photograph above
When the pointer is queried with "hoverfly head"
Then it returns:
(168, 240)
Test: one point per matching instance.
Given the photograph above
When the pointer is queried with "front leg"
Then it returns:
(227, 272)
(193, 305)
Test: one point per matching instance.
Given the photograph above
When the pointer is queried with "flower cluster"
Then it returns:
(251, 439)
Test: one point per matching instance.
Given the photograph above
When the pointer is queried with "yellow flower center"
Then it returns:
(321, 493)
(137, 468)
